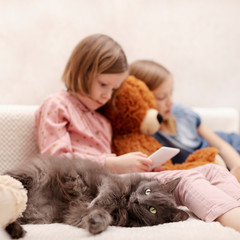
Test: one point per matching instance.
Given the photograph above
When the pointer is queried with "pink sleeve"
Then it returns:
(100, 159)
(52, 120)
(51, 128)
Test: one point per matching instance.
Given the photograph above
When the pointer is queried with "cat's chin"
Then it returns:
(133, 209)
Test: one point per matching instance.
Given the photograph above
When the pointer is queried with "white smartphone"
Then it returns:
(162, 155)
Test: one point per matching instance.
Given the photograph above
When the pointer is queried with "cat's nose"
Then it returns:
(135, 200)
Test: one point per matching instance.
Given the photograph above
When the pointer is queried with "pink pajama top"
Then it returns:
(65, 126)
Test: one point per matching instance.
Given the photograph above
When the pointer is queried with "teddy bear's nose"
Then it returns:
(159, 118)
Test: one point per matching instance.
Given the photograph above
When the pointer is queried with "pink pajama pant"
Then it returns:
(208, 191)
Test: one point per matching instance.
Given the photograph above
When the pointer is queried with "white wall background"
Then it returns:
(197, 40)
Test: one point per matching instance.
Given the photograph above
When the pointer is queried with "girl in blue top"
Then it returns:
(181, 126)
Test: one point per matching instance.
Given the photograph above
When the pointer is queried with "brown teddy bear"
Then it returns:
(134, 117)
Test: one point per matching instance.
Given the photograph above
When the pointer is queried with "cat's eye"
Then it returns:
(147, 191)
(153, 210)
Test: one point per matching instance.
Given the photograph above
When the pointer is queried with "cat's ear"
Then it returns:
(171, 185)
(180, 216)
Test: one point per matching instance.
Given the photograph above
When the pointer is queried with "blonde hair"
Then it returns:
(150, 72)
(93, 55)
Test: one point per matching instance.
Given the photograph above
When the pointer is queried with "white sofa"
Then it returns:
(17, 143)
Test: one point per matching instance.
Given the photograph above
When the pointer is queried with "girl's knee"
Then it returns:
(191, 175)
(217, 171)
(217, 167)
(212, 169)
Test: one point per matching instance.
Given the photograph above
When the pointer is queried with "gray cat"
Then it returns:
(83, 194)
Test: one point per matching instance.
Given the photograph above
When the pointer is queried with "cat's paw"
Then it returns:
(15, 230)
(72, 184)
(98, 221)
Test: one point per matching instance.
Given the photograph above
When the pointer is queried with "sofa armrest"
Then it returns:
(17, 138)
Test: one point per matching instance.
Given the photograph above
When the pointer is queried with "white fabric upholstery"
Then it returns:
(220, 119)
(17, 138)
(191, 229)
(17, 143)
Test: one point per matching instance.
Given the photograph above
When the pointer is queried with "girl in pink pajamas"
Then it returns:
(67, 123)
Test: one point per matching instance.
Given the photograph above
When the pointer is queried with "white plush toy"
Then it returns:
(13, 200)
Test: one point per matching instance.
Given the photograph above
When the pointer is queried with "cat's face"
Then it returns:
(153, 203)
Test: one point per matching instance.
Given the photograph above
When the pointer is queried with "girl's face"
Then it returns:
(163, 96)
(102, 89)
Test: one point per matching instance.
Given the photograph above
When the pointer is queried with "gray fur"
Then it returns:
(83, 194)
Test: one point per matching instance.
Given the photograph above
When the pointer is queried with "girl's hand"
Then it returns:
(158, 169)
(129, 162)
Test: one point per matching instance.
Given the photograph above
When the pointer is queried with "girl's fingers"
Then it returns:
(143, 169)
(147, 161)
(158, 169)
(141, 154)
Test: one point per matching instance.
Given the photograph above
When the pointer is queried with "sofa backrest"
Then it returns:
(220, 119)
(17, 128)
